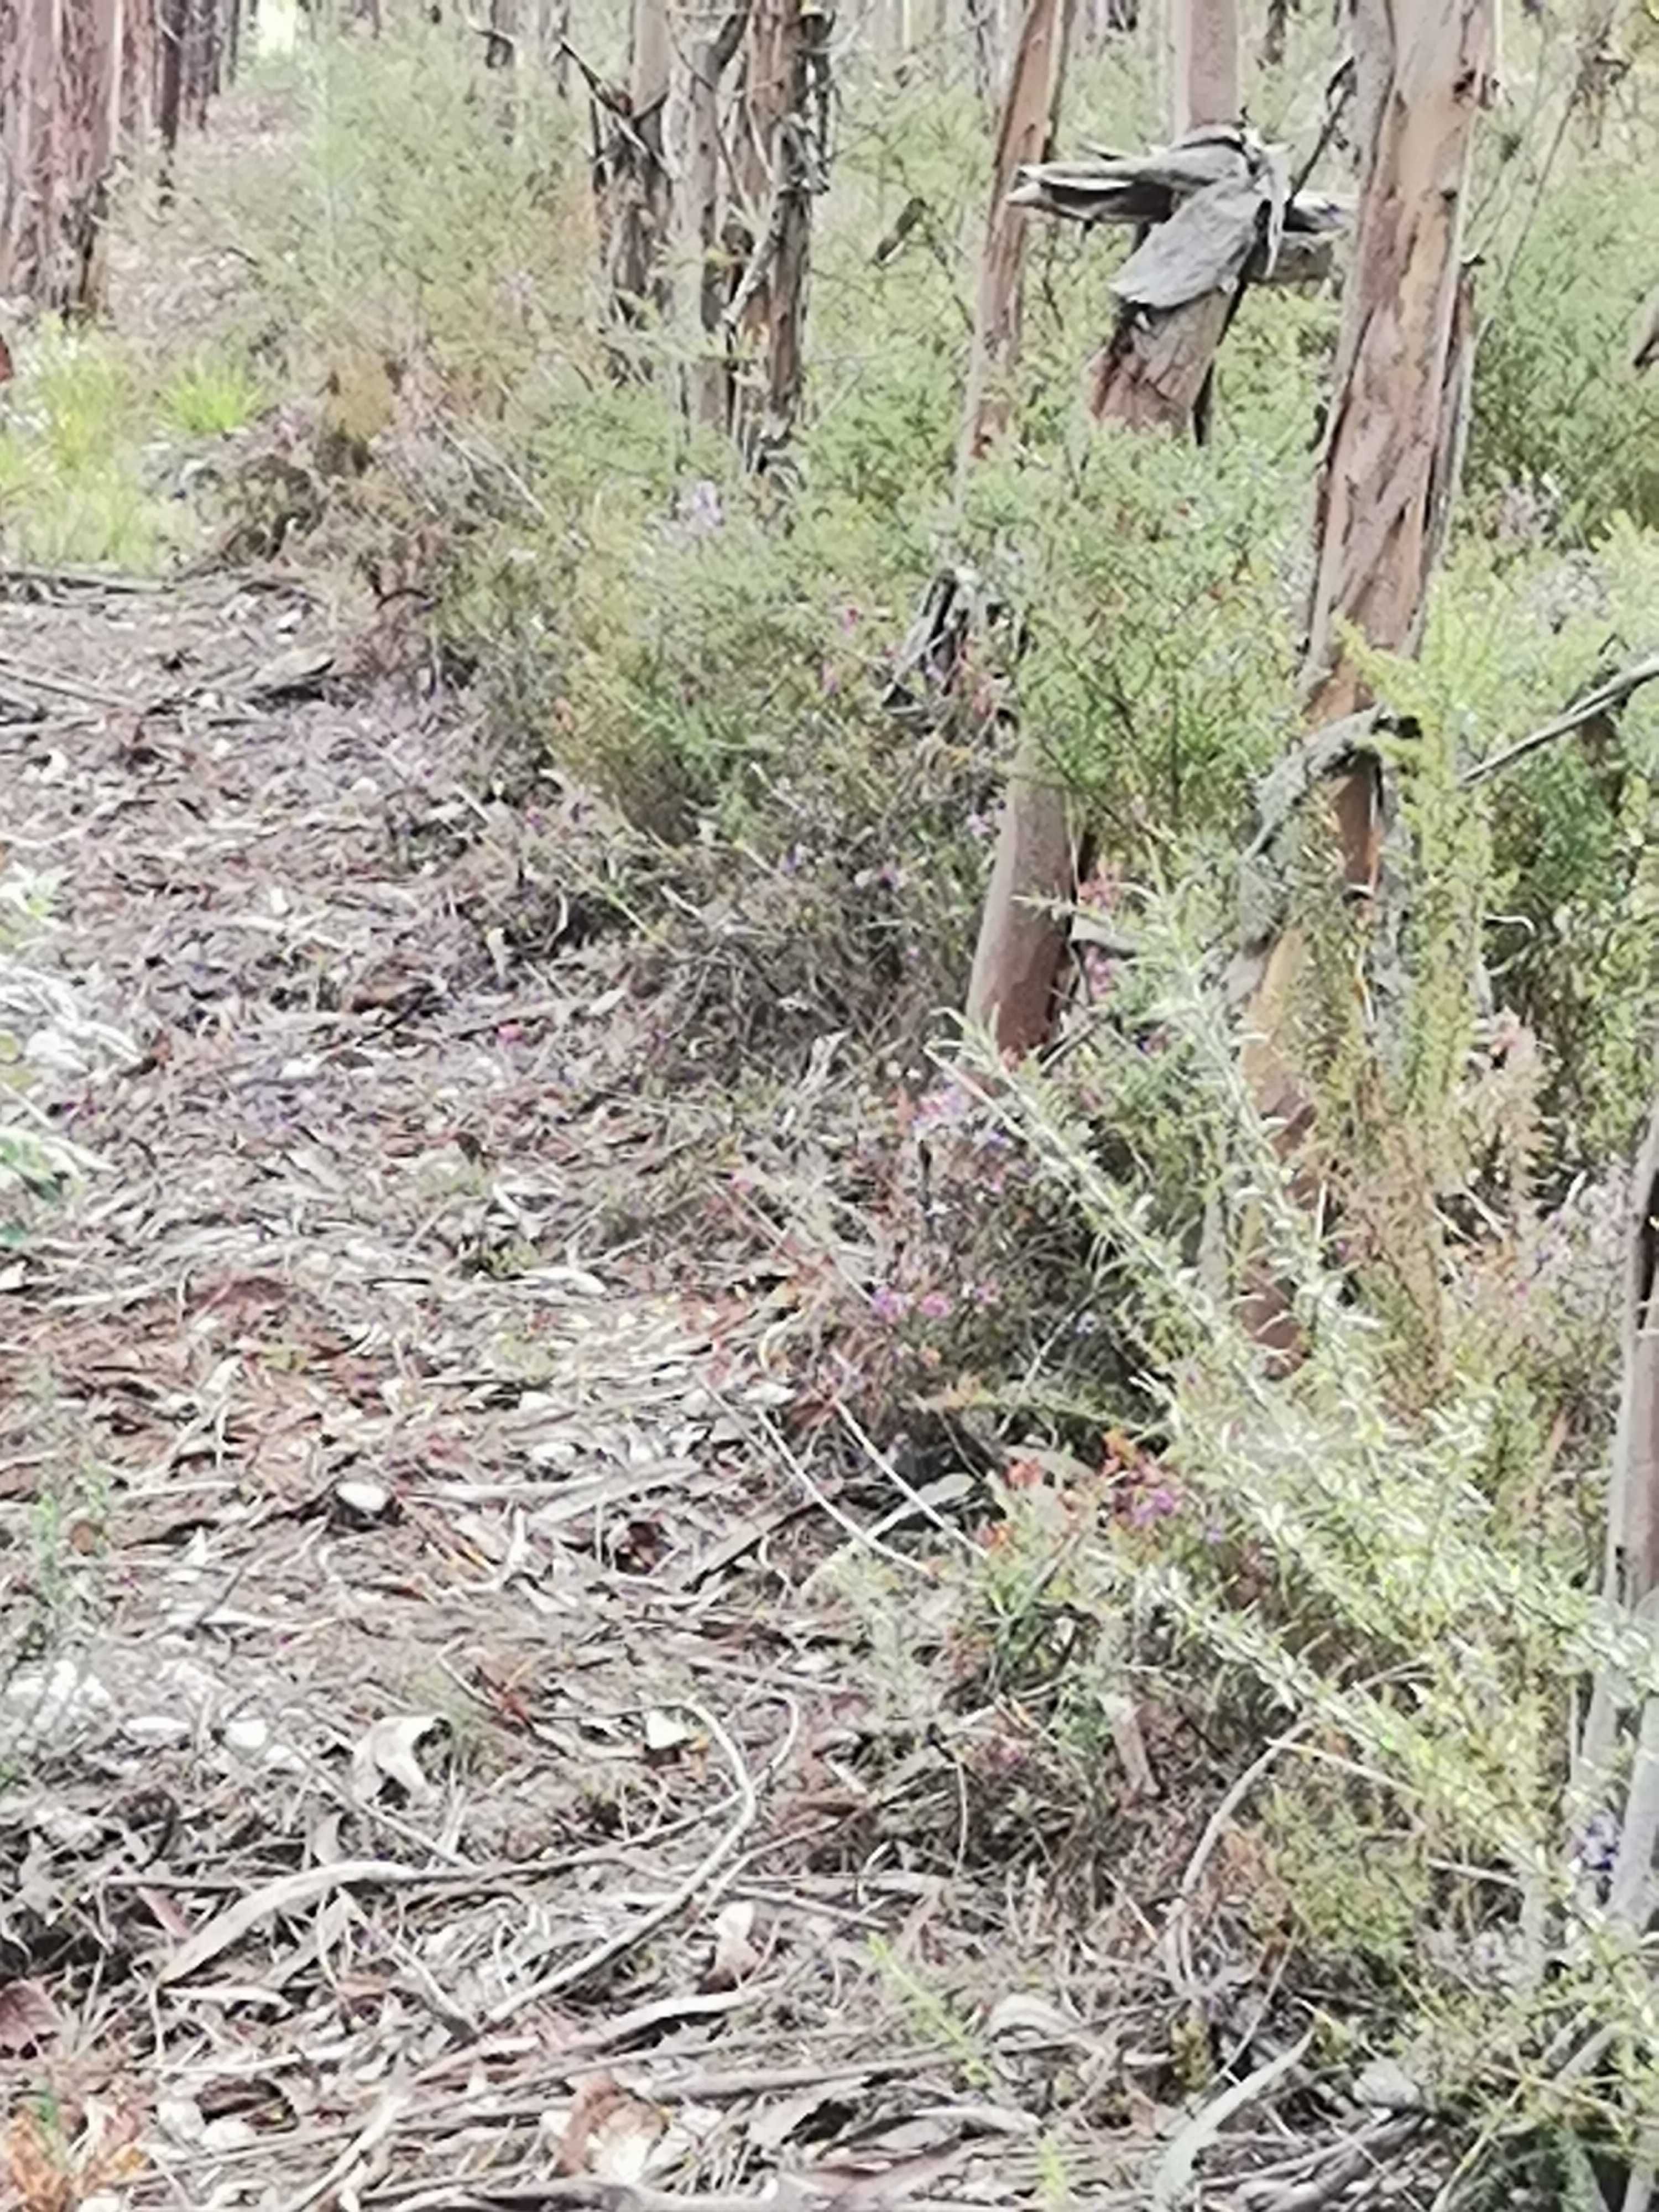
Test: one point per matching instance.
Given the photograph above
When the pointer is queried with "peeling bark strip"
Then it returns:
(1024, 136)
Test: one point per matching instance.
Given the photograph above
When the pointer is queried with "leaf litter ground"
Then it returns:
(426, 1783)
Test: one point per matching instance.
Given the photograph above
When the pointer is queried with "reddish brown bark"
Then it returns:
(1422, 77)
(1030, 113)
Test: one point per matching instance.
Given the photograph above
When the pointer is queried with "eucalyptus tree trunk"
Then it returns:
(1154, 369)
(1394, 443)
(29, 32)
(98, 136)
(639, 201)
(1030, 111)
(1395, 435)
(501, 54)
(783, 162)
(1150, 375)
(502, 47)
(175, 19)
(713, 242)
(1016, 960)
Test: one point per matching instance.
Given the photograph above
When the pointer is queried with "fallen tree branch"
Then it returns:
(1602, 701)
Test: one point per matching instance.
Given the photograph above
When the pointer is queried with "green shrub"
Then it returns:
(1558, 412)
(407, 220)
(1314, 1545)
(76, 471)
(1572, 937)
(211, 394)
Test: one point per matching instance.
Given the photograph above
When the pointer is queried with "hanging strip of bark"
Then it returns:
(1025, 135)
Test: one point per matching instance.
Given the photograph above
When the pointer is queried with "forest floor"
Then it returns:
(448, 1726)
(455, 1764)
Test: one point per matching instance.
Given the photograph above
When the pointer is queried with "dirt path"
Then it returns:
(360, 1516)
(417, 1695)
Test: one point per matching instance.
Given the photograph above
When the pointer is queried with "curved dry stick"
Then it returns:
(1601, 701)
(578, 1970)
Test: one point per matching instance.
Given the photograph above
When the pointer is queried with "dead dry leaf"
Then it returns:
(386, 1753)
(1019, 2010)
(29, 2021)
(735, 1954)
(35, 2162)
(774, 2123)
(620, 2145)
(664, 1733)
(855, 2187)
(607, 2132)
(289, 1892)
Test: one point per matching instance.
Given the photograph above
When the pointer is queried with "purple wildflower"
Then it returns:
(946, 1106)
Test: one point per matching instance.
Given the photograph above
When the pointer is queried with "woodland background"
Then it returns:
(1076, 864)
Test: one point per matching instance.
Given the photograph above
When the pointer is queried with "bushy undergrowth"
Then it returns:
(1559, 415)
(1572, 940)
(1340, 1551)
(78, 475)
